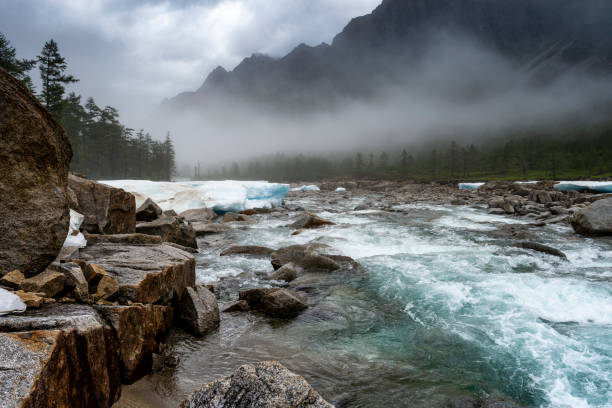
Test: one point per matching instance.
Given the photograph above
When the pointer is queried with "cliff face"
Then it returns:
(385, 45)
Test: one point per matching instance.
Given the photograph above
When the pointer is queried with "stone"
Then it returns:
(265, 384)
(255, 211)
(198, 215)
(534, 246)
(93, 274)
(145, 273)
(275, 302)
(237, 306)
(31, 300)
(61, 355)
(148, 211)
(13, 279)
(247, 250)
(131, 239)
(139, 331)
(199, 311)
(48, 282)
(107, 288)
(107, 210)
(233, 217)
(288, 272)
(310, 220)
(508, 208)
(34, 161)
(304, 256)
(202, 228)
(170, 229)
(75, 281)
(496, 211)
(596, 219)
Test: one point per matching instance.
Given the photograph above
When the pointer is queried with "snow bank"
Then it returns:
(221, 196)
(10, 302)
(470, 186)
(595, 186)
(75, 238)
(311, 187)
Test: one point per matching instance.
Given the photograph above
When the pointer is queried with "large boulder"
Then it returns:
(266, 384)
(275, 302)
(198, 215)
(107, 210)
(199, 310)
(34, 161)
(170, 229)
(595, 219)
(304, 256)
(148, 211)
(310, 220)
(252, 250)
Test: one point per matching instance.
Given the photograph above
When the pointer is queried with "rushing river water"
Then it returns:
(445, 307)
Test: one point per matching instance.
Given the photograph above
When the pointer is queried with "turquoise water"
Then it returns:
(443, 308)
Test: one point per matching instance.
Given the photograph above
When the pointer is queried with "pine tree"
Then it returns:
(52, 68)
(16, 67)
(170, 157)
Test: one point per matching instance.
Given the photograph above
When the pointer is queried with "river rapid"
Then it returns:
(444, 308)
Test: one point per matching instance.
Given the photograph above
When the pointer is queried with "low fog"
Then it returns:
(457, 90)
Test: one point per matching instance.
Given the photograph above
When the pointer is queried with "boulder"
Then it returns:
(145, 273)
(170, 229)
(595, 219)
(199, 311)
(58, 356)
(275, 302)
(233, 217)
(34, 161)
(287, 272)
(265, 384)
(138, 330)
(304, 256)
(75, 282)
(238, 306)
(48, 282)
(131, 239)
(198, 215)
(148, 211)
(310, 220)
(107, 210)
(202, 228)
(534, 246)
(13, 279)
(247, 250)
(107, 288)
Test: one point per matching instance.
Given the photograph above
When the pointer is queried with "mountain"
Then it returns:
(542, 37)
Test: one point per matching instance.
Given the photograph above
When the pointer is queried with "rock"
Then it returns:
(199, 311)
(34, 160)
(540, 196)
(13, 279)
(31, 300)
(508, 208)
(170, 213)
(182, 248)
(288, 272)
(139, 330)
(59, 356)
(131, 239)
(107, 288)
(93, 274)
(540, 248)
(255, 211)
(202, 228)
(170, 229)
(107, 210)
(232, 217)
(148, 211)
(265, 384)
(304, 256)
(238, 306)
(275, 302)
(48, 282)
(595, 219)
(75, 281)
(458, 201)
(310, 220)
(145, 273)
(496, 211)
(67, 253)
(247, 250)
(198, 215)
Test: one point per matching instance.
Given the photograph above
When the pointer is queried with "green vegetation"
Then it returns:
(103, 147)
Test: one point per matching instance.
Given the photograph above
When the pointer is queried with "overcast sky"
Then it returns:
(133, 53)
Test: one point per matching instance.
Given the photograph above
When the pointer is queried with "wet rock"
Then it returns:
(238, 306)
(496, 211)
(534, 246)
(148, 211)
(265, 384)
(75, 282)
(508, 208)
(48, 282)
(13, 279)
(247, 250)
(139, 330)
(59, 356)
(477, 402)
(34, 160)
(275, 302)
(198, 215)
(255, 211)
(145, 273)
(199, 311)
(540, 196)
(31, 300)
(107, 210)
(595, 219)
(310, 220)
(288, 272)
(202, 229)
(170, 229)
(233, 217)
(304, 256)
(131, 239)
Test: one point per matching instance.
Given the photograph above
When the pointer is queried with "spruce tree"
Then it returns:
(18, 68)
(52, 68)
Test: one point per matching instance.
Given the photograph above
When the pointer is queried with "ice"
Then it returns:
(341, 189)
(310, 187)
(221, 196)
(469, 186)
(75, 238)
(10, 302)
(596, 186)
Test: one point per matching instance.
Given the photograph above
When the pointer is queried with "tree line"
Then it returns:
(103, 147)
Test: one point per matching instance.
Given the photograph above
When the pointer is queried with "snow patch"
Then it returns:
(75, 238)
(310, 187)
(9, 302)
(341, 189)
(470, 186)
(596, 186)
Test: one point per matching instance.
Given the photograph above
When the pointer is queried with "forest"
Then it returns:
(103, 148)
